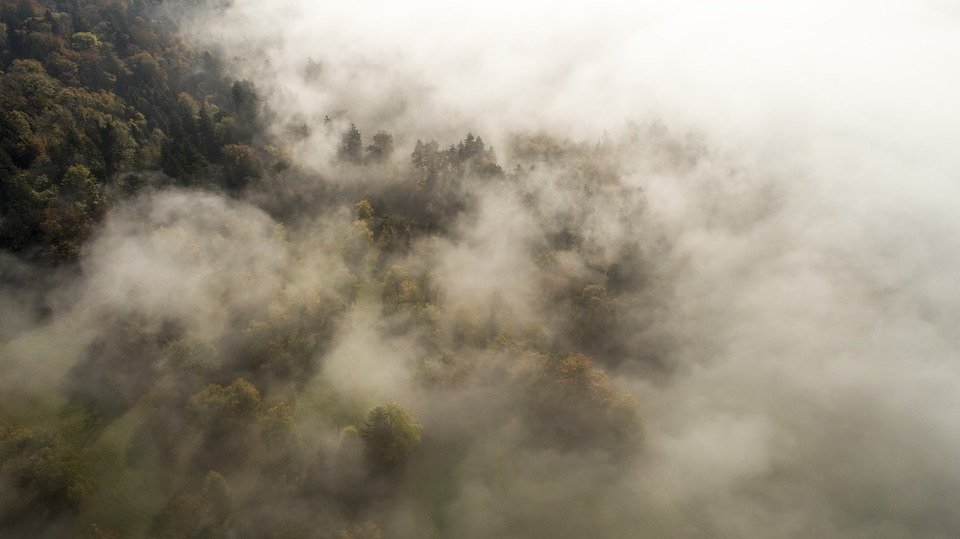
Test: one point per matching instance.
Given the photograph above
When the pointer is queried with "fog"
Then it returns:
(817, 370)
(766, 190)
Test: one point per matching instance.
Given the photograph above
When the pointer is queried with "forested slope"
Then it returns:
(94, 93)
(201, 361)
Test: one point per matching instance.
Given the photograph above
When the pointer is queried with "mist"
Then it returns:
(810, 297)
(698, 279)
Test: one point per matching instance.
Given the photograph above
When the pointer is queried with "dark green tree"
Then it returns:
(351, 147)
(390, 434)
(382, 148)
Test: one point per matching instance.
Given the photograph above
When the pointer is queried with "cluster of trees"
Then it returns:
(92, 92)
(212, 432)
(352, 150)
(566, 397)
(469, 155)
(437, 185)
(98, 100)
(45, 477)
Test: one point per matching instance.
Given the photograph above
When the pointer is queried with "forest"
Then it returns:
(261, 277)
(168, 427)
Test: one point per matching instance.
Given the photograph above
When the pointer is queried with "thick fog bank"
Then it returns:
(811, 294)
(744, 213)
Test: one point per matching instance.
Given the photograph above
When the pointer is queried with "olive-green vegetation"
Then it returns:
(173, 424)
(94, 96)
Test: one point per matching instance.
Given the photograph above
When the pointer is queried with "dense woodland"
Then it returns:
(165, 428)
(94, 92)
